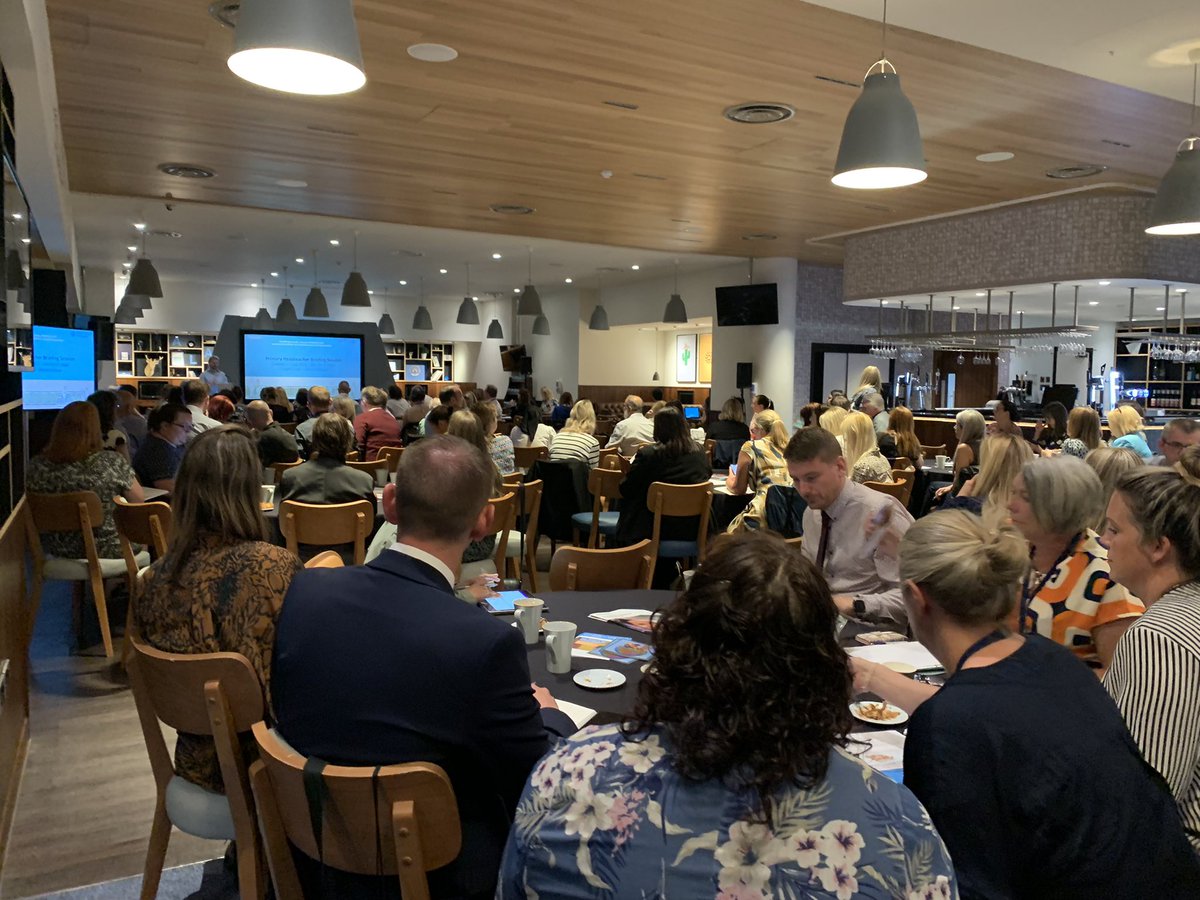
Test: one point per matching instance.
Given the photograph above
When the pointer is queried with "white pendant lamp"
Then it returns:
(468, 312)
(285, 315)
(495, 331)
(298, 46)
(422, 321)
(262, 319)
(354, 291)
(541, 325)
(144, 277)
(315, 306)
(881, 140)
(599, 319)
(1176, 209)
(530, 303)
(675, 312)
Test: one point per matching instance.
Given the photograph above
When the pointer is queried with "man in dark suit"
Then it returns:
(274, 443)
(381, 664)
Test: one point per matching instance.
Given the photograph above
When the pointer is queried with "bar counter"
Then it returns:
(935, 427)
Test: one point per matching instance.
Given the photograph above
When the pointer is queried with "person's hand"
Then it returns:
(864, 673)
(543, 697)
(1050, 453)
(942, 491)
(480, 587)
(844, 604)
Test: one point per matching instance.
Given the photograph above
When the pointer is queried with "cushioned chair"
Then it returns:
(725, 453)
(327, 524)
(581, 569)
(784, 512)
(605, 486)
(214, 694)
(679, 500)
(397, 820)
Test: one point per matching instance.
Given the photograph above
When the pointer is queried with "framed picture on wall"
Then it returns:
(686, 358)
(706, 358)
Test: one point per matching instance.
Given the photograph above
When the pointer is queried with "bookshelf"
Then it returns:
(19, 343)
(437, 357)
(162, 355)
(1173, 387)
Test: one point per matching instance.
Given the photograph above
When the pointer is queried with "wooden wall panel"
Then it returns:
(14, 647)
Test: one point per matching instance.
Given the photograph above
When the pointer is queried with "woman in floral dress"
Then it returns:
(732, 779)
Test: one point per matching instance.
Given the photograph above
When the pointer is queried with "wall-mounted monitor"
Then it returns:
(748, 304)
(294, 361)
(416, 371)
(64, 371)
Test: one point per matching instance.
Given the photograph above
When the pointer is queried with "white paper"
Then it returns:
(580, 715)
(910, 652)
(613, 614)
(886, 750)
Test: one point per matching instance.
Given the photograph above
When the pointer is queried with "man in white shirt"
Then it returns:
(839, 523)
(195, 395)
(634, 429)
(213, 376)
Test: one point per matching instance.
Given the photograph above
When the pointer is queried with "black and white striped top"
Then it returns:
(1155, 680)
(575, 445)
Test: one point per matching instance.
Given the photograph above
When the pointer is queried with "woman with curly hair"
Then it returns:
(730, 780)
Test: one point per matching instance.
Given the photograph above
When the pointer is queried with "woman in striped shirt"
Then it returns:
(1153, 538)
(577, 438)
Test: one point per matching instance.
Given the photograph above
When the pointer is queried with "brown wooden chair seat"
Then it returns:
(392, 455)
(583, 569)
(327, 525)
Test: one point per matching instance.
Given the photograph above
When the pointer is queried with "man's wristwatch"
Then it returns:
(860, 608)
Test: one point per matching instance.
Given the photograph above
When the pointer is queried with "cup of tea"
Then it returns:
(560, 636)
(528, 613)
(943, 461)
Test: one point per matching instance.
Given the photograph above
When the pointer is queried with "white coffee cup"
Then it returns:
(528, 612)
(943, 461)
(268, 493)
(560, 636)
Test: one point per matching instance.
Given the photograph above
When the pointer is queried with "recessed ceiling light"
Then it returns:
(1181, 290)
(254, 284)
(26, 240)
(369, 291)
(635, 267)
(300, 259)
(127, 264)
(496, 256)
(132, 248)
(885, 302)
(335, 242)
(1104, 283)
(1020, 312)
(435, 53)
(402, 281)
(981, 293)
(1093, 303)
(995, 156)
(566, 281)
(516, 290)
(759, 113)
(292, 183)
(957, 308)
(1160, 308)
(140, 226)
(18, 217)
(443, 271)
(274, 274)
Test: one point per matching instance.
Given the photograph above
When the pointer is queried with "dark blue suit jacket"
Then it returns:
(381, 664)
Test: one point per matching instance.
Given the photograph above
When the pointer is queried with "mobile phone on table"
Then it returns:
(504, 603)
(733, 468)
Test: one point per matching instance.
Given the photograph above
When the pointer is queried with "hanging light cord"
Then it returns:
(883, 33)
(1195, 70)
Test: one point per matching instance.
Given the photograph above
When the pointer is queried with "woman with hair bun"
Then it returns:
(760, 464)
(729, 780)
(1018, 758)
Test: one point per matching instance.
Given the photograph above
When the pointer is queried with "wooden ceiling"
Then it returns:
(520, 117)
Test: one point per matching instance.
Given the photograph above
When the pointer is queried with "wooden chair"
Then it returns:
(679, 500)
(326, 559)
(79, 511)
(417, 828)
(795, 542)
(289, 427)
(905, 477)
(351, 455)
(214, 694)
(323, 524)
(605, 486)
(376, 468)
(530, 497)
(903, 463)
(891, 488)
(930, 452)
(610, 458)
(504, 522)
(580, 569)
(280, 468)
(709, 444)
(392, 455)
(527, 456)
(139, 523)
(513, 479)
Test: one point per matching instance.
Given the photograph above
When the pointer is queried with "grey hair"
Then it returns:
(1183, 426)
(1163, 503)
(972, 424)
(1065, 494)
(875, 399)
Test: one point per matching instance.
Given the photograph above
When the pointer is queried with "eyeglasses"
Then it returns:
(1174, 445)
(186, 426)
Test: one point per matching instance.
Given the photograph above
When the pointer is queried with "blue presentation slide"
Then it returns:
(294, 361)
(64, 368)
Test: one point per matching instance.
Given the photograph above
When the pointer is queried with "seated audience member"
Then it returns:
(1024, 764)
(1110, 464)
(861, 449)
(438, 420)
(319, 403)
(1002, 456)
(969, 430)
(346, 408)
(1153, 539)
(654, 408)
(161, 452)
(547, 402)
(276, 398)
(220, 409)
(419, 405)
(1051, 429)
(375, 427)
(1125, 425)
(831, 420)
(743, 714)
(470, 398)
(875, 408)
(529, 430)
(760, 465)
(300, 413)
(1004, 419)
(378, 664)
(491, 396)
(499, 446)
(274, 444)
(1083, 432)
(220, 585)
(1177, 435)
(730, 424)
(465, 426)
(195, 395)
(904, 436)
(759, 403)
(563, 409)
(1069, 597)
(396, 404)
(326, 478)
(129, 419)
(344, 394)
(577, 438)
(863, 576)
(632, 430)
(840, 401)
(75, 460)
(451, 398)
(810, 413)
(111, 437)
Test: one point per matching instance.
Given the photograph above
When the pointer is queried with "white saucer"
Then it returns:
(897, 715)
(599, 679)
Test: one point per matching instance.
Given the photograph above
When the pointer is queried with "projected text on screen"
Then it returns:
(65, 368)
(294, 361)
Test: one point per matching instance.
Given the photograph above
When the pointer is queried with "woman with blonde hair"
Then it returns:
(1126, 427)
(577, 439)
(1083, 432)
(730, 424)
(831, 420)
(861, 448)
(1111, 464)
(868, 381)
(1002, 455)
(760, 465)
(900, 427)
(344, 407)
(499, 446)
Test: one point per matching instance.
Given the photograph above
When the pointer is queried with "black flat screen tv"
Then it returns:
(748, 304)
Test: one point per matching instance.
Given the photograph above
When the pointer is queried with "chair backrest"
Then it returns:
(610, 458)
(891, 488)
(282, 467)
(605, 485)
(324, 524)
(376, 468)
(930, 451)
(680, 500)
(580, 569)
(143, 523)
(512, 479)
(527, 456)
(417, 828)
(902, 462)
(76, 511)
(351, 455)
(289, 427)
(725, 453)
(505, 521)
(531, 502)
(326, 559)
(905, 477)
(392, 455)
(795, 542)
(784, 510)
(564, 493)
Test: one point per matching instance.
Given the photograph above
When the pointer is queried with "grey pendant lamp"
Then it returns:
(541, 325)
(354, 291)
(530, 303)
(881, 140)
(495, 330)
(285, 315)
(298, 46)
(468, 312)
(144, 277)
(422, 321)
(675, 312)
(14, 271)
(139, 303)
(386, 326)
(124, 314)
(315, 306)
(599, 319)
(1176, 209)
(262, 319)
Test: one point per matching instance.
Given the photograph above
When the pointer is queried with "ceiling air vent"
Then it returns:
(184, 170)
(759, 113)
(1083, 170)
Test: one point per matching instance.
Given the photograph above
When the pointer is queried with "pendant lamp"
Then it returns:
(1176, 207)
(262, 319)
(298, 46)
(386, 325)
(468, 312)
(285, 316)
(495, 331)
(675, 312)
(354, 291)
(881, 140)
(541, 325)
(139, 303)
(124, 314)
(144, 277)
(422, 321)
(599, 319)
(315, 306)
(530, 303)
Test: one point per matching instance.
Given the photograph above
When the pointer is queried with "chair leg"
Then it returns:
(156, 853)
(252, 874)
(531, 564)
(102, 614)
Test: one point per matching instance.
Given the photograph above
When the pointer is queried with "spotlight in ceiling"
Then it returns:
(995, 156)
(434, 53)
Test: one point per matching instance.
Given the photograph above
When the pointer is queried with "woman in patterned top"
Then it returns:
(1083, 432)
(760, 464)
(731, 780)
(75, 460)
(1051, 429)
(221, 584)
(861, 449)
(499, 446)
(1070, 597)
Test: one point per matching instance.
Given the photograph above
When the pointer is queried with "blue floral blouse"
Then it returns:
(603, 817)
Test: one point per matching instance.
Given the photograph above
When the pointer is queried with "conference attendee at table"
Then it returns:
(861, 449)
(274, 444)
(111, 437)
(220, 409)
(904, 436)
(759, 403)
(869, 381)
(326, 478)
(465, 426)
(1024, 763)
(831, 420)
(221, 583)
(1002, 457)
(379, 664)
(129, 419)
(344, 394)
(419, 405)
(558, 416)
(158, 458)
(632, 430)
(375, 427)
(730, 424)
(1083, 432)
(1069, 596)
(863, 576)
(1110, 464)
(196, 397)
(499, 446)
(530, 431)
(396, 404)
(1125, 426)
(874, 407)
(731, 778)
(760, 466)
(577, 440)
(319, 403)
(1177, 435)
(213, 376)
(1153, 539)
(969, 430)
(810, 413)
(1004, 416)
(346, 408)
(75, 460)
(1051, 429)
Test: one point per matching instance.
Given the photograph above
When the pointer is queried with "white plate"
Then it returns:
(599, 679)
(903, 668)
(900, 718)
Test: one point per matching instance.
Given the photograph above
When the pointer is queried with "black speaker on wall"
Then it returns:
(745, 374)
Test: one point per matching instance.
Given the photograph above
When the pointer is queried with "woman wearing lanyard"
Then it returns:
(1018, 758)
